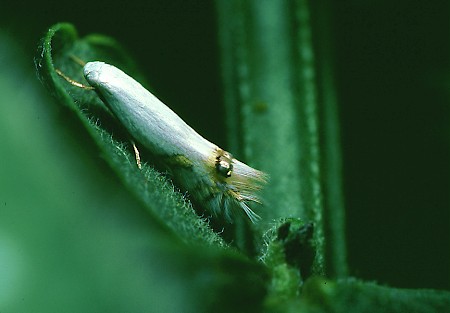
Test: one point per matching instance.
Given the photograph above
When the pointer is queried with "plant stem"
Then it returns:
(270, 90)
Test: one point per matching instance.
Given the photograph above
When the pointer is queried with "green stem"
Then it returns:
(270, 83)
(330, 143)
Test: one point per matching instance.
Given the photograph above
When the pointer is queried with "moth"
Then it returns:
(211, 175)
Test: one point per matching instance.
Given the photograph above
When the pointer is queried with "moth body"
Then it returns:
(211, 175)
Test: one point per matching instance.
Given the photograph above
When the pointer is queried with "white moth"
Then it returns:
(213, 178)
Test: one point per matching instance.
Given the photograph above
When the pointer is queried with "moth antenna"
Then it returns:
(78, 60)
(72, 81)
(80, 85)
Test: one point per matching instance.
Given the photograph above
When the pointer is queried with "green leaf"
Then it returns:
(354, 296)
(222, 278)
(60, 49)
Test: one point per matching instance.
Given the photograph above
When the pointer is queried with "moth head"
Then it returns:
(224, 165)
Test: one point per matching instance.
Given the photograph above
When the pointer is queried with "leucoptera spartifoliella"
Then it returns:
(212, 177)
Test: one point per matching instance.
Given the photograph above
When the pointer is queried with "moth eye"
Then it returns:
(224, 167)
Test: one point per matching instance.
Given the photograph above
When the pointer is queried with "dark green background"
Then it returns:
(392, 75)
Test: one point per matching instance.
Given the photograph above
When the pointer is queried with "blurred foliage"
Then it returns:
(352, 296)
